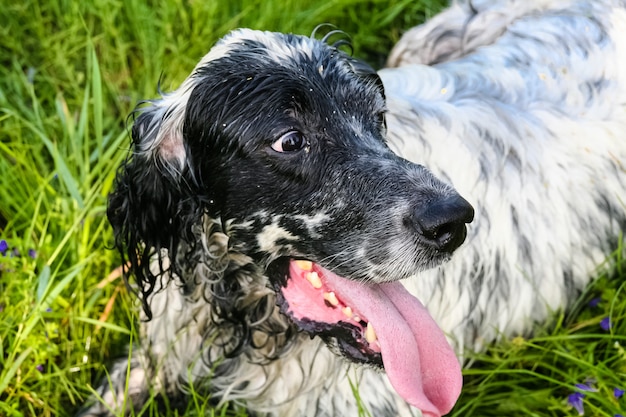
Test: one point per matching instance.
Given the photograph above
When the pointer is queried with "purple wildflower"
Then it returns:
(32, 253)
(586, 387)
(593, 303)
(618, 415)
(4, 247)
(618, 393)
(606, 324)
(39, 368)
(576, 401)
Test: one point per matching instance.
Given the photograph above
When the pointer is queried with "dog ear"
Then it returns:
(152, 206)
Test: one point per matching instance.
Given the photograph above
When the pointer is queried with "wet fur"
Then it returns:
(520, 105)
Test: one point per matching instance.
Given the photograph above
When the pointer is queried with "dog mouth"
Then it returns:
(376, 324)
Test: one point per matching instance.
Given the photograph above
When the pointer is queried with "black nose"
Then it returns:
(442, 223)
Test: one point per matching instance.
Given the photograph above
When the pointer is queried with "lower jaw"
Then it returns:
(341, 338)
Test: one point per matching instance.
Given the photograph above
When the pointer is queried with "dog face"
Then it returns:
(285, 137)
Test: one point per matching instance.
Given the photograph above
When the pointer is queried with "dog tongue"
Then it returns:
(419, 362)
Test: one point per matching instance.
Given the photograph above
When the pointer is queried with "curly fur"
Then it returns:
(520, 105)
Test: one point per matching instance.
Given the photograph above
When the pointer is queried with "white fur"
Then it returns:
(500, 99)
(570, 146)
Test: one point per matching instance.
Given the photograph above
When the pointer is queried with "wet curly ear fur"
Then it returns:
(155, 200)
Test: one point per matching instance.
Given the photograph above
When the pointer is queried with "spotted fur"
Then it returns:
(520, 105)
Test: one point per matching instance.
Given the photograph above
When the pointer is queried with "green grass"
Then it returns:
(70, 73)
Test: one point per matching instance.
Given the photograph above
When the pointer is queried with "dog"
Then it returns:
(283, 232)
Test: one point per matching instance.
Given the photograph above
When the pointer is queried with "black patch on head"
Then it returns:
(231, 113)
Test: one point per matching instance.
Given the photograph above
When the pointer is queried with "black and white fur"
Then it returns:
(275, 147)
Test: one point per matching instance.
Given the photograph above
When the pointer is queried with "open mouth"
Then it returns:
(377, 324)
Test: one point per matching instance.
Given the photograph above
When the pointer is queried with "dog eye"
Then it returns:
(290, 142)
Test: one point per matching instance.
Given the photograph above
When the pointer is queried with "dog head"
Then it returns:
(284, 135)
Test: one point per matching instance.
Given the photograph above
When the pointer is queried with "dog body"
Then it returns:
(269, 163)
(522, 108)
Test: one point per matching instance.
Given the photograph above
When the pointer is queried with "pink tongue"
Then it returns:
(419, 362)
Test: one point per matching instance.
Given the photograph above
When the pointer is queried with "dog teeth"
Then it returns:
(331, 298)
(347, 311)
(370, 334)
(314, 279)
(304, 265)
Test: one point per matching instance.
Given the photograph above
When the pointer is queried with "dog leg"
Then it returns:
(457, 31)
